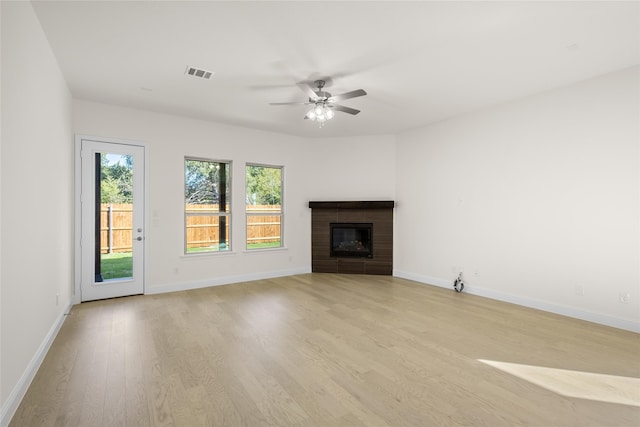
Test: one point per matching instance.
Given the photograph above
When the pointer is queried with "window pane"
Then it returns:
(263, 231)
(207, 205)
(203, 233)
(264, 185)
(207, 182)
(264, 206)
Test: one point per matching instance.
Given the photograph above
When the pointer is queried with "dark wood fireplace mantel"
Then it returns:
(386, 204)
(378, 213)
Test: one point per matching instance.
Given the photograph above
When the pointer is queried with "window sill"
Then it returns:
(197, 255)
(263, 250)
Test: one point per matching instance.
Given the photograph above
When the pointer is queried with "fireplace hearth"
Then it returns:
(352, 237)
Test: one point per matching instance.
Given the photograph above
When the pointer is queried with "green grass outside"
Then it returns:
(116, 265)
(264, 245)
(215, 248)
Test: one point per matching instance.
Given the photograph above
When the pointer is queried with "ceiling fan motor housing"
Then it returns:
(322, 96)
(320, 93)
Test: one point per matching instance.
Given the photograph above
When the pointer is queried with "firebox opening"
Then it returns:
(351, 240)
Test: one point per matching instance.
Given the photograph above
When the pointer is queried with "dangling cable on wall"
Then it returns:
(458, 284)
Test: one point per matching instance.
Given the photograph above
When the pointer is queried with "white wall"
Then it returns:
(37, 200)
(540, 197)
(355, 168)
(311, 172)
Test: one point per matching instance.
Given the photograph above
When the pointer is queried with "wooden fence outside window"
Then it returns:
(202, 231)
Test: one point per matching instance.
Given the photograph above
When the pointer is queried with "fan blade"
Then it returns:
(345, 109)
(307, 90)
(289, 103)
(348, 95)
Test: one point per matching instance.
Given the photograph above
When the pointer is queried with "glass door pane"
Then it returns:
(114, 217)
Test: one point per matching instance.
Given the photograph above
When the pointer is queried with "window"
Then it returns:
(207, 205)
(264, 206)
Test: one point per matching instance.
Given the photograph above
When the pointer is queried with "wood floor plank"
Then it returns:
(114, 400)
(68, 412)
(136, 392)
(92, 410)
(330, 350)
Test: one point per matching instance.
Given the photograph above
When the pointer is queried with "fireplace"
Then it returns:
(351, 239)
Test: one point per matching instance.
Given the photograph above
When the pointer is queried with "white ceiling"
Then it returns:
(420, 62)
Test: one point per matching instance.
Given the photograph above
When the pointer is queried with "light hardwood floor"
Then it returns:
(331, 350)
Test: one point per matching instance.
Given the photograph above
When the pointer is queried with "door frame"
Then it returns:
(77, 293)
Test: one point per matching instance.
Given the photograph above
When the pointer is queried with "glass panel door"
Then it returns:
(112, 220)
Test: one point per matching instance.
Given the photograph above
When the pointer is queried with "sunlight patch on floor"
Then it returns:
(582, 385)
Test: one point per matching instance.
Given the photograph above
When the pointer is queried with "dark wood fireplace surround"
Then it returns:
(379, 213)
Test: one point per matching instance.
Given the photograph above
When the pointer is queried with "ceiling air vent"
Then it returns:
(199, 72)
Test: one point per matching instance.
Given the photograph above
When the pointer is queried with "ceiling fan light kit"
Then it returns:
(320, 112)
(323, 104)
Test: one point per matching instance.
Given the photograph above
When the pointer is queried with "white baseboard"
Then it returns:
(227, 280)
(18, 392)
(576, 313)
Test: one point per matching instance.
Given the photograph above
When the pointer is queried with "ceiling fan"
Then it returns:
(323, 103)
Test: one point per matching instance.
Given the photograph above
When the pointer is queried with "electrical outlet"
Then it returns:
(625, 297)
(579, 290)
(57, 299)
(454, 269)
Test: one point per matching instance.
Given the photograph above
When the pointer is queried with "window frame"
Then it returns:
(226, 214)
(280, 213)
